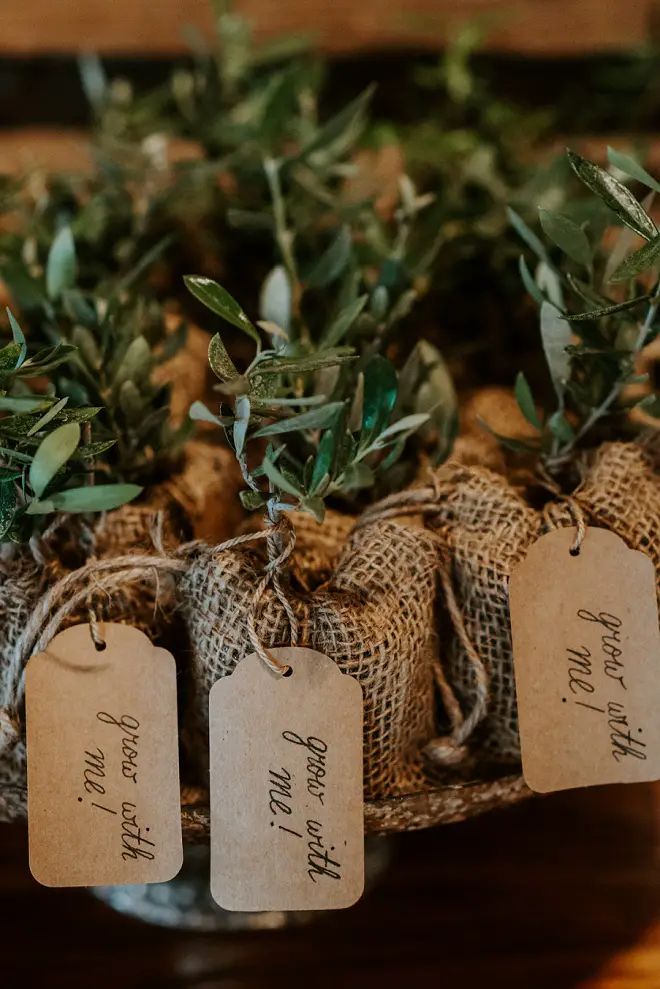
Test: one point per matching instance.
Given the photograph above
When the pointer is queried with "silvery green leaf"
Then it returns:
(131, 402)
(626, 164)
(90, 450)
(263, 404)
(46, 360)
(280, 336)
(314, 419)
(146, 261)
(624, 243)
(645, 258)
(332, 262)
(61, 264)
(241, 423)
(549, 283)
(561, 427)
(379, 398)
(303, 365)
(342, 129)
(275, 302)
(525, 401)
(409, 424)
(651, 405)
(555, 336)
(357, 477)
(18, 336)
(136, 363)
(325, 459)
(567, 235)
(380, 300)
(23, 403)
(11, 455)
(221, 363)
(47, 417)
(510, 442)
(92, 498)
(83, 339)
(343, 322)
(355, 414)
(219, 301)
(200, 413)
(52, 453)
(527, 235)
(614, 194)
(436, 394)
(278, 479)
(20, 425)
(606, 310)
(529, 282)
(93, 79)
(315, 507)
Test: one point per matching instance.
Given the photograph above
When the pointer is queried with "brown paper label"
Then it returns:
(287, 825)
(103, 762)
(586, 647)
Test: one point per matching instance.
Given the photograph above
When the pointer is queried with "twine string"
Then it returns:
(573, 507)
(71, 593)
(280, 542)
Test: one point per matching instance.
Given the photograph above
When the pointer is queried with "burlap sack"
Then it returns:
(486, 526)
(158, 525)
(23, 576)
(374, 616)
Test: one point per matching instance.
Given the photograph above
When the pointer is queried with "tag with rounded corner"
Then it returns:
(586, 649)
(103, 760)
(287, 816)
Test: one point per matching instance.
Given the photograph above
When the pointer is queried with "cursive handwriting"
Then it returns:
(316, 768)
(128, 726)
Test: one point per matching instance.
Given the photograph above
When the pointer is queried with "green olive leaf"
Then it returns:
(52, 453)
(614, 194)
(218, 300)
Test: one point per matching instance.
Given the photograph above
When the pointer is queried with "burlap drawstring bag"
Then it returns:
(374, 617)
(485, 526)
(153, 527)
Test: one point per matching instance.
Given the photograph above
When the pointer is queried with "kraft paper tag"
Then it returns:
(586, 647)
(287, 824)
(103, 761)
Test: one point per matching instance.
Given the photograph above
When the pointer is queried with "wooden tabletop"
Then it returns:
(558, 893)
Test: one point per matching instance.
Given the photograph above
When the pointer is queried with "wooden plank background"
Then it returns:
(535, 27)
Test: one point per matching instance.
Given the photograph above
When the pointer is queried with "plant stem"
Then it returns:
(559, 455)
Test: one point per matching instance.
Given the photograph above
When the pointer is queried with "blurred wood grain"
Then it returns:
(558, 893)
(25, 149)
(535, 27)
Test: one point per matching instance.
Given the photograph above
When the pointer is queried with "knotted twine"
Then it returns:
(485, 525)
(66, 599)
(373, 615)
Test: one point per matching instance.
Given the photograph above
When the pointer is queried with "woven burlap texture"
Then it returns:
(487, 526)
(26, 573)
(374, 617)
